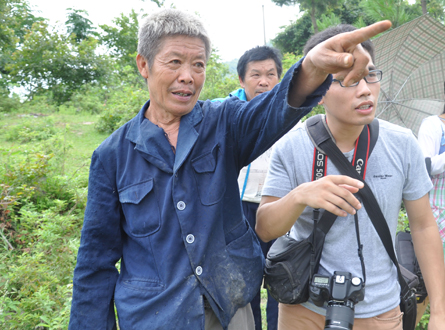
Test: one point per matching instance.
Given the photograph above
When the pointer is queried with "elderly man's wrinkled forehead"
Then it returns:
(182, 37)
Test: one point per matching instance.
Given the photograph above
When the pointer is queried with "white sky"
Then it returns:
(234, 26)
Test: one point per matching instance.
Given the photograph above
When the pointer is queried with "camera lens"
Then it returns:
(339, 316)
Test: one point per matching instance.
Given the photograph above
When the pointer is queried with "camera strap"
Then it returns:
(363, 148)
(319, 132)
(322, 139)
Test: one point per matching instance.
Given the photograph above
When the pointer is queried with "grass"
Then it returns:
(81, 139)
(78, 136)
(263, 308)
(43, 229)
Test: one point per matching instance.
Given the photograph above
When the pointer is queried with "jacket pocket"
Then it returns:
(209, 174)
(247, 264)
(143, 284)
(141, 209)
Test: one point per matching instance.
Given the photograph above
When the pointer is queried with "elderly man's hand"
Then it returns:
(343, 54)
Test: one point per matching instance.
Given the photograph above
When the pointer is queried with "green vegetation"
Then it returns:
(76, 95)
(318, 15)
(314, 8)
(44, 177)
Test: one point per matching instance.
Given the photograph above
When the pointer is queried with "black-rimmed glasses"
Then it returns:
(374, 76)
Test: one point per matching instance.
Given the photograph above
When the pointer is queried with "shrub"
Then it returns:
(36, 288)
(30, 169)
(32, 129)
(9, 103)
(89, 98)
(290, 59)
(43, 103)
(123, 105)
(41, 215)
(219, 80)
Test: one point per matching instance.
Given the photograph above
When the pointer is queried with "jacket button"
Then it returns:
(180, 205)
(198, 270)
(190, 238)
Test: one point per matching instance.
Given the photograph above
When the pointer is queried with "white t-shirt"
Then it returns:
(430, 137)
(255, 180)
(395, 171)
(257, 176)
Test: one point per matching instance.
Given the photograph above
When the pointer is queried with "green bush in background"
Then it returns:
(122, 105)
(42, 199)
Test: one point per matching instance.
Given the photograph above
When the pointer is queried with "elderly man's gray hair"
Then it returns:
(169, 22)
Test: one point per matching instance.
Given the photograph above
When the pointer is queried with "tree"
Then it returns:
(315, 8)
(6, 32)
(160, 3)
(423, 3)
(434, 8)
(294, 36)
(49, 61)
(350, 12)
(122, 39)
(326, 21)
(397, 11)
(219, 81)
(15, 20)
(289, 59)
(79, 25)
(7, 37)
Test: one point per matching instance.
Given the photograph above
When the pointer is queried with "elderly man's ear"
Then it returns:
(142, 65)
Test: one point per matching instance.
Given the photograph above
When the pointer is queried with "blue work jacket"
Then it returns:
(175, 221)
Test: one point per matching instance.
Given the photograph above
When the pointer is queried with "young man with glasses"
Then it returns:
(395, 172)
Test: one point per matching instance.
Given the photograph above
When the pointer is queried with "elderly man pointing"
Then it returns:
(163, 194)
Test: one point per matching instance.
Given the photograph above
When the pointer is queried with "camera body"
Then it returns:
(341, 292)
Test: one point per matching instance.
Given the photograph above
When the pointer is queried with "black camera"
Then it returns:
(341, 292)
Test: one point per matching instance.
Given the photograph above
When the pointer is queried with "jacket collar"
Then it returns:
(239, 93)
(150, 141)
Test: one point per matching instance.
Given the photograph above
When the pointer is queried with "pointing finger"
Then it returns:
(356, 37)
(360, 67)
(357, 58)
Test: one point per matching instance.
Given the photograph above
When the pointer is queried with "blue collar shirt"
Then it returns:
(239, 93)
(175, 221)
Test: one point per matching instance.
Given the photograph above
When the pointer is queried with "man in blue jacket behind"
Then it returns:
(163, 196)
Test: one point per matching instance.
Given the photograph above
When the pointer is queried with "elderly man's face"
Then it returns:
(261, 76)
(176, 77)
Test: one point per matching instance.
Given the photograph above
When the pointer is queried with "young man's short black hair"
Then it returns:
(259, 53)
(333, 31)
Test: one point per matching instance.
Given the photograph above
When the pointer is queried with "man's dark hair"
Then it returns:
(333, 31)
(259, 53)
